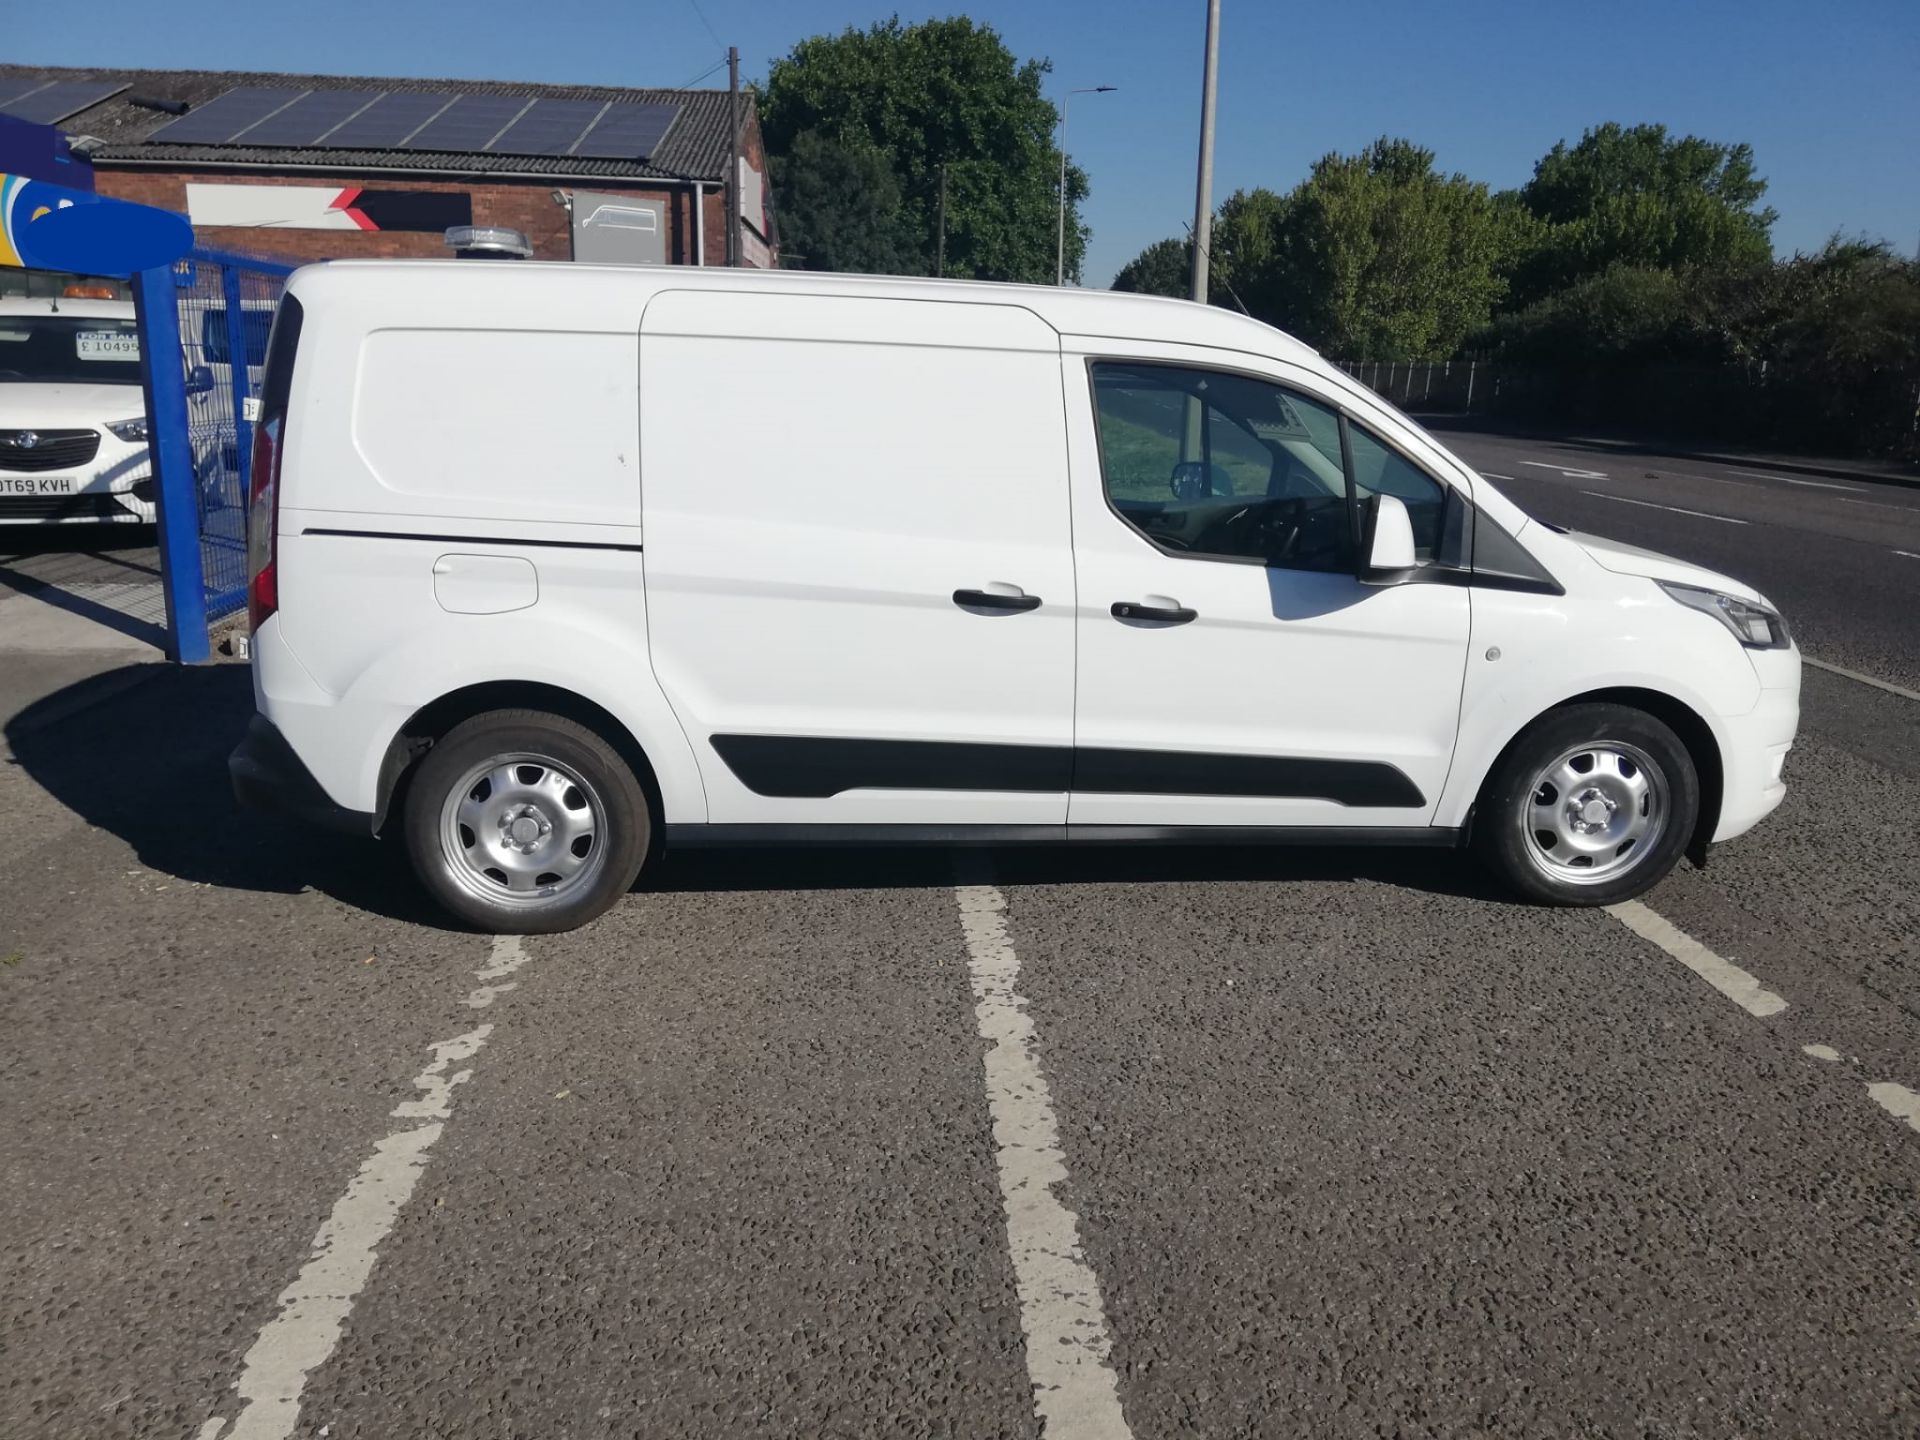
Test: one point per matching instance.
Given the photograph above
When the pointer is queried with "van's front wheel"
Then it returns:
(1592, 805)
(520, 822)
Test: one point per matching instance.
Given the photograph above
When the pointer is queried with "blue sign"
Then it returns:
(41, 152)
(49, 227)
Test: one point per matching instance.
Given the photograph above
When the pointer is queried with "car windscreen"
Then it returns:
(68, 350)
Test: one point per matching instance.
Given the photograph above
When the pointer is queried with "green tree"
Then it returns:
(1247, 230)
(1625, 313)
(1373, 256)
(1163, 268)
(943, 93)
(840, 209)
(1635, 196)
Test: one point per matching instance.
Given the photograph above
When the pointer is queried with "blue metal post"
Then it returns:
(240, 362)
(165, 387)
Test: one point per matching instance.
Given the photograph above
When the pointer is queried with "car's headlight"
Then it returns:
(133, 431)
(1752, 624)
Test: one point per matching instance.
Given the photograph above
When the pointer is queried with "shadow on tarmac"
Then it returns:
(1434, 871)
(141, 752)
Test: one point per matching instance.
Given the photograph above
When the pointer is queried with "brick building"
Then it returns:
(309, 167)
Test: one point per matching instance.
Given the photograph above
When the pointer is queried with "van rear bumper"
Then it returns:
(268, 776)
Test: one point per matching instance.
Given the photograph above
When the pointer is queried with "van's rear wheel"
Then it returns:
(1592, 805)
(520, 822)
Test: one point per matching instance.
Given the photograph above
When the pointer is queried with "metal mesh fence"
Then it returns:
(225, 304)
(1459, 386)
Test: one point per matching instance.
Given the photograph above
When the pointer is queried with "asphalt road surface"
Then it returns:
(1146, 1142)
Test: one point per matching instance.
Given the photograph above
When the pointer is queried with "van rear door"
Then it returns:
(859, 564)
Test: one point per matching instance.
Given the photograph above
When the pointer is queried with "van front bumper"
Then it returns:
(268, 776)
(1754, 755)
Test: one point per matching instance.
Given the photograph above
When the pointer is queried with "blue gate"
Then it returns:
(212, 310)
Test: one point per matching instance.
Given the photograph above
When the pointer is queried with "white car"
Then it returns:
(73, 423)
(553, 566)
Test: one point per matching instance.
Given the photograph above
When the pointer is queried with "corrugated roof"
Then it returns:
(694, 147)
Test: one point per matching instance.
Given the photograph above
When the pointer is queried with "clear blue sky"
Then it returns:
(1828, 95)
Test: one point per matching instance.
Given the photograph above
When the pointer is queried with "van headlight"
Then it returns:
(133, 431)
(1752, 624)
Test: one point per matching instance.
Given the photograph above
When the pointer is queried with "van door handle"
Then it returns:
(1165, 614)
(988, 600)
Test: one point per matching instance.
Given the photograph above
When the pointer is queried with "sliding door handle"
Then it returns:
(990, 600)
(1164, 614)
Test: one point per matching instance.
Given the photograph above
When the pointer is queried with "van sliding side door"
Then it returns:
(859, 568)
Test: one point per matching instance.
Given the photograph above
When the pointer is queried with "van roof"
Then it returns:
(1069, 309)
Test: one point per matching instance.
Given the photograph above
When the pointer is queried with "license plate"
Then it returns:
(37, 484)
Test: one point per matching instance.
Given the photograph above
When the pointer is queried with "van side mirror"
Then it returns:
(199, 380)
(1389, 537)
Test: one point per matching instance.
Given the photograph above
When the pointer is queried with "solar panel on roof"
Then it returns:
(468, 124)
(627, 132)
(221, 118)
(308, 118)
(11, 90)
(45, 103)
(549, 128)
(388, 121)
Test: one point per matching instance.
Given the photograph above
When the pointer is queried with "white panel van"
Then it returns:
(556, 566)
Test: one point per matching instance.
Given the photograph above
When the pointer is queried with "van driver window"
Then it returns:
(1223, 466)
(1378, 470)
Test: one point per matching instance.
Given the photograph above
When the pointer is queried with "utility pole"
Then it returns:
(1203, 197)
(733, 156)
(940, 243)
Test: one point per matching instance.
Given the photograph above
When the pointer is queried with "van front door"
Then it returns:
(858, 554)
(1232, 670)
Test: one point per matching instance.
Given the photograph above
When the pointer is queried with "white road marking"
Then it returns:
(1674, 509)
(1061, 1314)
(504, 963)
(1908, 553)
(1489, 475)
(1875, 681)
(1882, 505)
(1788, 479)
(1898, 1101)
(314, 1308)
(1725, 976)
(1570, 473)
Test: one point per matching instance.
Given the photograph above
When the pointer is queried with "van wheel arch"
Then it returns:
(1677, 716)
(433, 720)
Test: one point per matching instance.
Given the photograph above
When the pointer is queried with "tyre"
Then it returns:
(1593, 804)
(524, 823)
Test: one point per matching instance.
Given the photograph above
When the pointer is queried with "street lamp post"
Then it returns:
(1203, 199)
(1060, 243)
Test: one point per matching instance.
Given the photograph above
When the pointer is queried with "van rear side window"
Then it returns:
(277, 383)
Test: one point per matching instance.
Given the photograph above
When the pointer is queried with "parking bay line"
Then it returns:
(1746, 992)
(1873, 680)
(314, 1308)
(1061, 1313)
(1672, 509)
(1722, 974)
